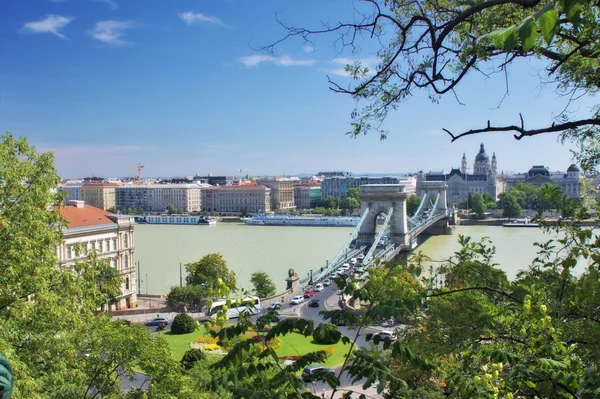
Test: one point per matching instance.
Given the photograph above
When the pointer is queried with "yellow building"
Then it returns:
(100, 195)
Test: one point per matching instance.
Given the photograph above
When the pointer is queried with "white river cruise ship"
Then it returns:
(313, 220)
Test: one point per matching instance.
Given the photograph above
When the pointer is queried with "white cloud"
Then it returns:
(50, 24)
(111, 3)
(340, 65)
(284, 60)
(190, 17)
(111, 31)
(309, 48)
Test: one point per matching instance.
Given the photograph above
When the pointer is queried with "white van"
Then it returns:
(353, 261)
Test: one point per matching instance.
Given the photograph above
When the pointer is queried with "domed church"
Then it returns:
(461, 183)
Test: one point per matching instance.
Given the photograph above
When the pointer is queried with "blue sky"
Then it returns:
(177, 86)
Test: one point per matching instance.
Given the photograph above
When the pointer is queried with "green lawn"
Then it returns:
(291, 345)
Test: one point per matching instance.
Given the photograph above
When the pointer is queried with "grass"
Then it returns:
(291, 345)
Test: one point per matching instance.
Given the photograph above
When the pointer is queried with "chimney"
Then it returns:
(76, 203)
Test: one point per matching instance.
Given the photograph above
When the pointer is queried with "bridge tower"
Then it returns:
(377, 199)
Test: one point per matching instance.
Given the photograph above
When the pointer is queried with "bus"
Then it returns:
(250, 305)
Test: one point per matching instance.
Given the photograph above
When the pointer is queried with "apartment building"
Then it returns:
(100, 195)
(111, 236)
(306, 194)
(235, 200)
(158, 197)
(282, 192)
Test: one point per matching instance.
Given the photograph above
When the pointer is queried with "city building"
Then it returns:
(337, 186)
(112, 237)
(99, 194)
(307, 194)
(158, 197)
(236, 200)
(569, 181)
(282, 192)
(484, 178)
(73, 191)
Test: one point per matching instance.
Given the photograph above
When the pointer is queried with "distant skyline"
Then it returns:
(177, 86)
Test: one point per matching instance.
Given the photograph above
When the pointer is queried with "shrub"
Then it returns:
(183, 324)
(206, 339)
(327, 333)
(329, 351)
(190, 357)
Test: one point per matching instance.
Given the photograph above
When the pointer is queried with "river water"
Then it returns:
(273, 249)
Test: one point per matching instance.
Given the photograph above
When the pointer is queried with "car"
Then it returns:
(312, 373)
(275, 306)
(327, 282)
(309, 293)
(345, 266)
(339, 271)
(360, 257)
(334, 275)
(157, 321)
(298, 299)
(314, 303)
(386, 335)
(319, 287)
(353, 261)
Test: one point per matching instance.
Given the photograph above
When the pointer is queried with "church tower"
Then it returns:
(494, 164)
(463, 165)
(481, 166)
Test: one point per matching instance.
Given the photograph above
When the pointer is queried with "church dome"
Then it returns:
(538, 170)
(573, 168)
(482, 156)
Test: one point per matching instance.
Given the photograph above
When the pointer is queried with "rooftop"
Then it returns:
(78, 214)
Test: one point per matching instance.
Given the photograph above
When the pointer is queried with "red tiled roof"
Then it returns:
(86, 216)
(100, 185)
(241, 187)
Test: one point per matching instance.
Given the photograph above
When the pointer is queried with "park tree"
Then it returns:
(58, 346)
(412, 204)
(263, 285)
(211, 272)
(171, 209)
(478, 205)
(353, 192)
(510, 207)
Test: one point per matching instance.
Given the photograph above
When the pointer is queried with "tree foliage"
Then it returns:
(327, 333)
(432, 46)
(510, 206)
(210, 272)
(412, 204)
(263, 285)
(478, 205)
(49, 331)
(183, 323)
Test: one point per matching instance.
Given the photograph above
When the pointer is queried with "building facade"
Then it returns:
(112, 237)
(158, 197)
(306, 195)
(569, 181)
(236, 200)
(73, 191)
(99, 195)
(337, 186)
(282, 192)
(461, 183)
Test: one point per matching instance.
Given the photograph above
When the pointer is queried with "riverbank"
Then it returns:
(501, 221)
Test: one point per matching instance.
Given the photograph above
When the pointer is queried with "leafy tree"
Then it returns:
(433, 47)
(50, 332)
(210, 272)
(191, 357)
(193, 296)
(171, 209)
(412, 204)
(327, 333)
(478, 205)
(510, 207)
(112, 209)
(552, 195)
(353, 193)
(183, 323)
(263, 285)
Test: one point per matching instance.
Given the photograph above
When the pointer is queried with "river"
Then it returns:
(161, 248)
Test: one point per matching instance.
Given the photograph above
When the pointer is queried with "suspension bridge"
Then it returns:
(385, 229)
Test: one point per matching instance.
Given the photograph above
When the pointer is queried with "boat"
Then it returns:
(307, 220)
(521, 223)
(179, 219)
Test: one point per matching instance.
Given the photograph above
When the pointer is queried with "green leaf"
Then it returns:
(548, 23)
(510, 39)
(527, 34)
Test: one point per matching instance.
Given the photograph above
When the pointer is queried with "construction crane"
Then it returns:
(241, 171)
(139, 168)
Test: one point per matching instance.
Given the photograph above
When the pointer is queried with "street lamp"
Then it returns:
(311, 279)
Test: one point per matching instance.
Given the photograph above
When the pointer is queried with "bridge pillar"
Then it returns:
(378, 199)
(433, 188)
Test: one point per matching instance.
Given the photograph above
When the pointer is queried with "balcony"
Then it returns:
(127, 270)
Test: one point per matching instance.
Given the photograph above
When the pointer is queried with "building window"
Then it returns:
(124, 240)
(114, 244)
(125, 262)
(127, 284)
(69, 253)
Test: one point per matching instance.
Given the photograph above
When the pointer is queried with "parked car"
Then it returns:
(319, 287)
(386, 334)
(353, 261)
(298, 299)
(314, 303)
(157, 321)
(309, 293)
(327, 282)
(312, 373)
(334, 275)
(360, 257)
